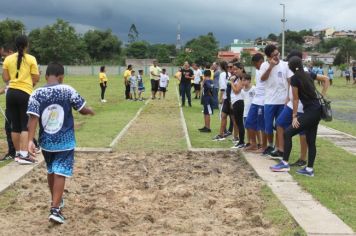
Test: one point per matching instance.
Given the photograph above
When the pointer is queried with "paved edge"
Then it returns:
(13, 172)
(313, 217)
(184, 124)
(128, 125)
(92, 150)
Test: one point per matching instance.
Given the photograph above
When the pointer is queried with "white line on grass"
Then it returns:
(124, 130)
(184, 124)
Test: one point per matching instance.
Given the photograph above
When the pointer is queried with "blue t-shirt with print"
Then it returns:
(53, 105)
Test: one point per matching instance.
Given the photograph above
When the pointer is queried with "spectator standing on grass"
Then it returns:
(103, 82)
(347, 75)
(303, 89)
(163, 84)
(20, 71)
(207, 100)
(354, 72)
(187, 75)
(331, 75)
(276, 74)
(216, 73)
(248, 93)
(197, 80)
(51, 106)
(133, 86)
(127, 75)
(154, 75)
(140, 85)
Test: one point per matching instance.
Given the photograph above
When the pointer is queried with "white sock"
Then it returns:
(309, 169)
(24, 153)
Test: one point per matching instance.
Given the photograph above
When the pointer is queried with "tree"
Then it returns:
(246, 58)
(200, 50)
(162, 52)
(102, 45)
(58, 42)
(272, 37)
(138, 50)
(9, 30)
(133, 34)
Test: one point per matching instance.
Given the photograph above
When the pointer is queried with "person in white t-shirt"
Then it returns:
(163, 84)
(255, 123)
(248, 93)
(197, 80)
(276, 74)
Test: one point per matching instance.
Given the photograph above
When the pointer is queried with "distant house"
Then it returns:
(228, 55)
(240, 45)
(327, 59)
(326, 33)
(344, 34)
(310, 41)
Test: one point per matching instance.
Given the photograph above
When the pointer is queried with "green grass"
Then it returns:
(110, 118)
(334, 182)
(278, 214)
(343, 99)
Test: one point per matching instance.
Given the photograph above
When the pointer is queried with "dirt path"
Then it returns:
(145, 189)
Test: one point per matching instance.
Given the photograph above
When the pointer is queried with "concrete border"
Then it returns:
(184, 124)
(92, 150)
(128, 125)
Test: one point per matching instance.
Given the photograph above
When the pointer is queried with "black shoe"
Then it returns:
(227, 134)
(299, 163)
(7, 157)
(205, 130)
(247, 145)
(190, 105)
(56, 216)
(202, 128)
(268, 150)
(276, 154)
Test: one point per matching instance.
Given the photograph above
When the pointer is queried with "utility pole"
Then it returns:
(284, 20)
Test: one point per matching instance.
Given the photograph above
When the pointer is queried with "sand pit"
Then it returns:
(143, 194)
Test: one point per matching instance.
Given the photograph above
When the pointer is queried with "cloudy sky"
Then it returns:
(157, 20)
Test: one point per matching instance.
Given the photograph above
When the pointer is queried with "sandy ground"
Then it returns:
(180, 193)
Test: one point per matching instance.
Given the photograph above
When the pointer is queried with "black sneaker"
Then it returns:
(205, 130)
(268, 151)
(299, 163)
(7, 157)
(56, 216)
(202, 128)
(238, 146)
(28, 160)
(276, 154)
(218, 138)
(227, 134)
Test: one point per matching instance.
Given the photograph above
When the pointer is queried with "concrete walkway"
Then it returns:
(13, 172)
(313, 217)
(340, 139)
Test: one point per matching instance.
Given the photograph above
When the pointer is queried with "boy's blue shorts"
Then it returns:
(208, 109)
(59, 163)
(285, 119)
(271, 114)
(255, 119)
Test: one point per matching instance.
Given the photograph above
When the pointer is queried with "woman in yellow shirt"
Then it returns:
(103, 82)
(20, 71)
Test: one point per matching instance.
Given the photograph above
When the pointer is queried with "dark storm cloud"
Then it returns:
(157, 20)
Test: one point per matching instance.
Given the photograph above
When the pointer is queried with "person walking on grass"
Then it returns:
(163, 84)
(127, 75)
(187, 75)
(154, 75)
(20, 71)
(207, 101)
(51, 107)
(303, 89)
(103, 82)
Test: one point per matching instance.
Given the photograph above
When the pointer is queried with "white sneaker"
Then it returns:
(103, 100)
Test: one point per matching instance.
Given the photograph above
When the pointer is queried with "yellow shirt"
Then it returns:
(156, 71)
(127, 74)
(102, 77)
(28, 66)
(212, 75)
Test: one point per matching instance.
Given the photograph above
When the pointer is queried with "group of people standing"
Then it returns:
(284, 102)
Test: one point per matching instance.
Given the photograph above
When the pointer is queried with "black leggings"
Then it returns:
(238, 112)
(103, 88)
(16, 106)
(308, 122)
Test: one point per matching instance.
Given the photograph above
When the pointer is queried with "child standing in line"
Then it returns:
(141, 87)
(103, 82)
(248, 93)
(207, 100)
(347, 75)
(163, 84)
(197, 80)
(133, 86)
(51, 106)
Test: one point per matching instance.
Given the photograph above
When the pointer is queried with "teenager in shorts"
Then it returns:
(51, 107)
(163, 84)
(207, 100)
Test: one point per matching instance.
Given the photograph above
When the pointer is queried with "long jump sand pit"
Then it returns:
(143, 193)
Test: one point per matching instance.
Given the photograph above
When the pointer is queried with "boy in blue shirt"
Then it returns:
(207, 101)
(51, 106)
